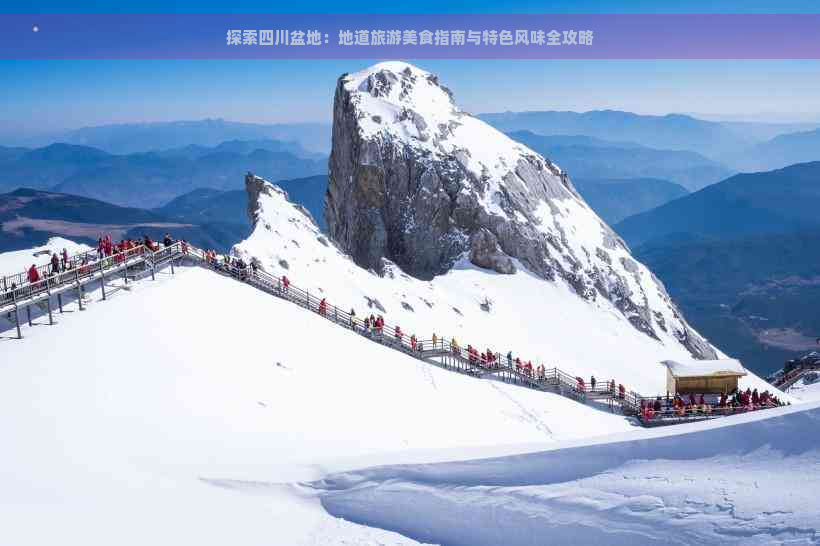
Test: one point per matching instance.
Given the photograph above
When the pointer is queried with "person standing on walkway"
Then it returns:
(55, 264)
(33, 274)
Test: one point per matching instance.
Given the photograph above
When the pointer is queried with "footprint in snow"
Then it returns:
(264, 405)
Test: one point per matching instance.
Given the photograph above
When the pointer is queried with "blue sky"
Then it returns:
(48, 95)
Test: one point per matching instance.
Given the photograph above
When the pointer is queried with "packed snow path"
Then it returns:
(138, 262)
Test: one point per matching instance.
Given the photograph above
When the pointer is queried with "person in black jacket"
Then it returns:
(55, 264)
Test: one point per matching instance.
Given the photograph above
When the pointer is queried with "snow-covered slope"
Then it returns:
(806, 388)
(19, 261)
(144, 419)
(415, 179)
(197, 410)
(538, 320)
(750, 479)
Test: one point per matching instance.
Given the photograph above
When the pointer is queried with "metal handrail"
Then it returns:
(551, 378)
(77, 270)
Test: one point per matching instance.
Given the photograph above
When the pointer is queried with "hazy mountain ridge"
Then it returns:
(671, 131)
(783, 150)
(30, 217)
(211, 205)
(615, 199)
(590, 157)
(741, 258)
(127, 138)
(756, 297)
(779, 201)
(149, 179)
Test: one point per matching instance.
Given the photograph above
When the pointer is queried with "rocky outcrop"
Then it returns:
(484, 252)
(416, 181)
(256, 187)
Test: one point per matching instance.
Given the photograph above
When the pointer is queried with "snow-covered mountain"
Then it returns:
(196, 409)
(544, 321)
(417, 181)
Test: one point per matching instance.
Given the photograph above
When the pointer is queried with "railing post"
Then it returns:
(125, 268)
(50, 317)
(16, 314)
(102, 279)
(28, 313)
(79, 289)
(60, 301)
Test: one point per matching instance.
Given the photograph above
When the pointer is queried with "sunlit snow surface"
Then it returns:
(198, 410)
(806, 388)
(536, 319)
(19, 261)
(743, 480)
(173, 413)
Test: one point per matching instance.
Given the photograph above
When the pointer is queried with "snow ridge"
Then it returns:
(540, 321)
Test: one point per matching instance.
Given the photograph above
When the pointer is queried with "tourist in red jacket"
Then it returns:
(33, 274)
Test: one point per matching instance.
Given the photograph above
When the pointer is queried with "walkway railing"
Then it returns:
(89, 267)
(785, 379)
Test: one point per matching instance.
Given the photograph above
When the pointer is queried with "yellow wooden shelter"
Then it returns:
(703, 376)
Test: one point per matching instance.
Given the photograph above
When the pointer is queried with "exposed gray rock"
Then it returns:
(484, 252)
(373, 302)
(408, 192)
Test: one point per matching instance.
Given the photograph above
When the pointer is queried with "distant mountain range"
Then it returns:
(591, 157)
(30, 217)
(782, 150)
(615, 199)
(669, 132)
(151, 179)
(206, 217)
(780, 201)
(142, 137)
(742, 257)
(208, 205)
(755, 297)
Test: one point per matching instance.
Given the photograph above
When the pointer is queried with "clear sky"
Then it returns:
(47, 95)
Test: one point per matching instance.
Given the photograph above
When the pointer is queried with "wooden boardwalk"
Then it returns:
(18, 296)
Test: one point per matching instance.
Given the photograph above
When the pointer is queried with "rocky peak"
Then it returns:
(415, 180)
(258, 188)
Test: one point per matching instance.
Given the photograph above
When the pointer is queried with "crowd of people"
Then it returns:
(106, 249)
(751, 399)
(373, 326)
(704, 404)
